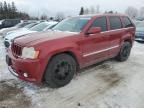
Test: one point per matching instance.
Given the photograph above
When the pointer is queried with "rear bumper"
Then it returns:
(25, 69)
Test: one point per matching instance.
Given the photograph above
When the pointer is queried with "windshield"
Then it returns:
(72, 24)
(140, 18)
(40, 27)
(30, 25)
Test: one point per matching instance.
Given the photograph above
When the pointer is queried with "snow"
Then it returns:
(4, 73)
(111, 84)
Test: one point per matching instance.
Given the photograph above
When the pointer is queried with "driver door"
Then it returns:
(95, 46)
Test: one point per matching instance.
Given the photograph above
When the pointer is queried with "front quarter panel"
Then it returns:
(57, 47)
(54, 47)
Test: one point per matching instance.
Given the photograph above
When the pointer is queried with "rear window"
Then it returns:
(115, 22)
(40, 27)
(30, 25)
(20, 25)
(127, 22)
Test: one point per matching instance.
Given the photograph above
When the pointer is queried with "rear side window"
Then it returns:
(100, 22)
(127, 22)
(115, 22)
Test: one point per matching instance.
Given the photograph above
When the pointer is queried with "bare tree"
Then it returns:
(142, 11)
(110, 12)
(1, 10)
(92, 10)
(86, 11)
(132, 12)
(59, 16)
(98, 9)
(44, 17)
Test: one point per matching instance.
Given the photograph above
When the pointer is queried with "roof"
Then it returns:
(94, 15)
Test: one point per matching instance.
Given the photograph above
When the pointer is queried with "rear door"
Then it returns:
(94, 46)
(115, 34)
(129, 27)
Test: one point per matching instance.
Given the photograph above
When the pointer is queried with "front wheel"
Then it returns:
(124, 52)
(60, 70)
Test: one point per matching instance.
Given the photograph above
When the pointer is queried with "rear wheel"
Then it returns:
(124, 52)
(60, 70)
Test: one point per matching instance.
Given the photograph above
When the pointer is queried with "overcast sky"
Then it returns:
(72, 7)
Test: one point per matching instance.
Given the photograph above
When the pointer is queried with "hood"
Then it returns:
(17, 30)
(42, 37)
(18, 33)
(6, 29)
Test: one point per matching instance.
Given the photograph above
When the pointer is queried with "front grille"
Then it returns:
(16, 50)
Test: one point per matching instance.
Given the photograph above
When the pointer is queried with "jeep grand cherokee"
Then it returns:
(55, 56)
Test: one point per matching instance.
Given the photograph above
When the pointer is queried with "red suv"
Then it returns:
(55, 56)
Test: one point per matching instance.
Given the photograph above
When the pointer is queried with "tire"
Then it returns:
(124, 52)
(60, 71)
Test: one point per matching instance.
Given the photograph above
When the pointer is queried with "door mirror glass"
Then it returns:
(94, 30)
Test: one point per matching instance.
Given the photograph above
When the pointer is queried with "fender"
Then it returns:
(61, 48)
(67, 47)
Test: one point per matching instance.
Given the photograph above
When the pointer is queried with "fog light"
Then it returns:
(25, 75)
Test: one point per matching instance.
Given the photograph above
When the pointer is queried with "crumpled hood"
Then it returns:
(35, 38)
(18, 33)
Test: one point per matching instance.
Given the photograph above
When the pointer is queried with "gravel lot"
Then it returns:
(110, 84)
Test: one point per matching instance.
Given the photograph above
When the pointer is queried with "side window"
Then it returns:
(127, 22)
(115, 22)
(100, 22)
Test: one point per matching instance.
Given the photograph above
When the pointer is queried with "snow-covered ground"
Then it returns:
(110, 84)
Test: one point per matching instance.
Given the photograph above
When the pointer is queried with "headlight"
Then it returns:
(29, 53)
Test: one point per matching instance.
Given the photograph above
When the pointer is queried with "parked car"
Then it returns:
(23, 28)
(9, 23)
(54, 57)
(139, 32)
(4, 31)
(31, 25)
(43, 26)
(140, 19)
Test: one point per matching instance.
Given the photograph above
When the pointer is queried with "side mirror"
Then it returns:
(94, 30)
